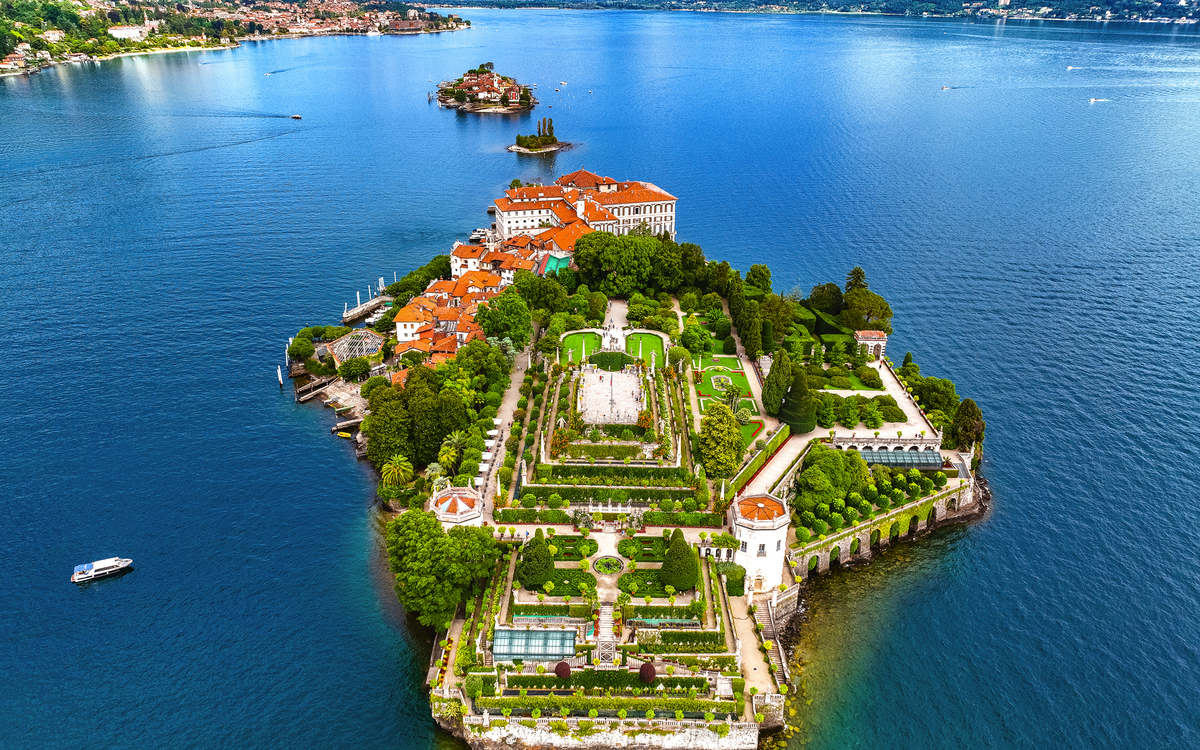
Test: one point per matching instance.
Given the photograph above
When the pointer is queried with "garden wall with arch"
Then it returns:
(856, 543)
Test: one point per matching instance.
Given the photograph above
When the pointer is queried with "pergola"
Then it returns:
(361, 342)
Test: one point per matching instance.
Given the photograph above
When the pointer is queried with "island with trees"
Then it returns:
(482, 90)
(607, 506)
(543, 142)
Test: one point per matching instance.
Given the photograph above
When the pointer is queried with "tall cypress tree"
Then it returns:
(776, 385)
(799, 411)
(752, 336)
(536, 566)
(679, 568)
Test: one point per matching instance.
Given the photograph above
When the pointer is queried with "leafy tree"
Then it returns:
(688, 302)
(710, 302)
(856, 279)
(937, 394)
(759, 276)
(776, 385)
(506, 316)
(907, 359)
(433, 569)
(866, 310)
(968, 426)
(677, 354)
(721, 445)
(301, 349)
(721, 325)
(827, 298)
(871, 416)
(827, 412)
(694, 339)
(729, 346)
(752, 337)
(354, 368)
(680, 568)
(848, 413)
(396, 470)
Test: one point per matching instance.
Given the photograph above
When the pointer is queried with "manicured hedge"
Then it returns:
(827, 324)
(707, 520)
(595, 678)
(580, 706)
(611, 361)
(668, 475)
(533, 515)
(601, 494)
(566, 581)
(756, 463)
(711, 637)
(715, 663)
(540, 610)
(697, 648)
(804, 316)
(574, 547)
(604, 451)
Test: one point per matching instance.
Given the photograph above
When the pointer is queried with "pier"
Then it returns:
(365, 309)
(347, 424)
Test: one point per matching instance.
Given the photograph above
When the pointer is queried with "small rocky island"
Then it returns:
(543, 143)
(482, 90)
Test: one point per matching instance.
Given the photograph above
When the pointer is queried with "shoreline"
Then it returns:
(551, 149)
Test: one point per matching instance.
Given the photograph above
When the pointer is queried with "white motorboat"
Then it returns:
(99, 569)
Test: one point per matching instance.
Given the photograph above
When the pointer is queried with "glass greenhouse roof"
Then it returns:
(927, 460)
(533, 645)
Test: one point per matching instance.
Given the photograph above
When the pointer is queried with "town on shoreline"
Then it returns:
(34, 37)
(610, 466)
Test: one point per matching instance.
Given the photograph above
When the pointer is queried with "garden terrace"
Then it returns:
(578, 346)
(614, 679)
(609, 707)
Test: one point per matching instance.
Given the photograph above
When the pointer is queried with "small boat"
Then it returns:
(1094, 100)
(556, 89)
(589, 91)
(345, 435)
(562, 83)
(295, 117)
(99, 569)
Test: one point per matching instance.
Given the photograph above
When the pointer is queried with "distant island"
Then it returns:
(483, 90)
(542, 143)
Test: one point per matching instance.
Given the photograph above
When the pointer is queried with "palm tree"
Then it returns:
(452, 449)
(396, 470)
(732, 396)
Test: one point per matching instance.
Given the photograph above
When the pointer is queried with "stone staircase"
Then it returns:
(762, 616)
(606, 642)
(606, 623)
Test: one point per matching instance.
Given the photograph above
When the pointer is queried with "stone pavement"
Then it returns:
(754, 664)
(615, 315)
(505, 414)
(770, 473)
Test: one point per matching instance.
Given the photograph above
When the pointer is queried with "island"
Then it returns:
(544, 142)
(609, 518)
(483, 91)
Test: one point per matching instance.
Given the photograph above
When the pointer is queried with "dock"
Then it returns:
(347, 424)
(365, 309)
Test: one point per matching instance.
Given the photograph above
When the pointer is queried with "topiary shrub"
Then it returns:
(562, 670)
(728, 346)
(647, 674)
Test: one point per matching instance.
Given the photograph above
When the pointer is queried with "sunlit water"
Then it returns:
(166, 227)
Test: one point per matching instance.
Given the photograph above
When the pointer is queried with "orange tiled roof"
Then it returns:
(536, 193)
(467, 251)
(420, 345)
(871, 335)
(636, 192)
(399, 377)
(582, 178)
(760, 508)
(412, 314)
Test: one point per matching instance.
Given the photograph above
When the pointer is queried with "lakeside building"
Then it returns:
(760, 525)
(589, 201)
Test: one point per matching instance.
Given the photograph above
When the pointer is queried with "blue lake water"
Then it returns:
(166, 227)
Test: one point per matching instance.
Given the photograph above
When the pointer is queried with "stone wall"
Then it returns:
(485, 734)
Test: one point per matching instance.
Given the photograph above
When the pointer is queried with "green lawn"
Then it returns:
(643, 345)
(707, 390)
(720, 360)
(751, 432)
(577, 346)
(746, 403)
(858, 384)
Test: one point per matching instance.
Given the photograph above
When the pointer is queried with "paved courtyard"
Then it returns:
(610, 397)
